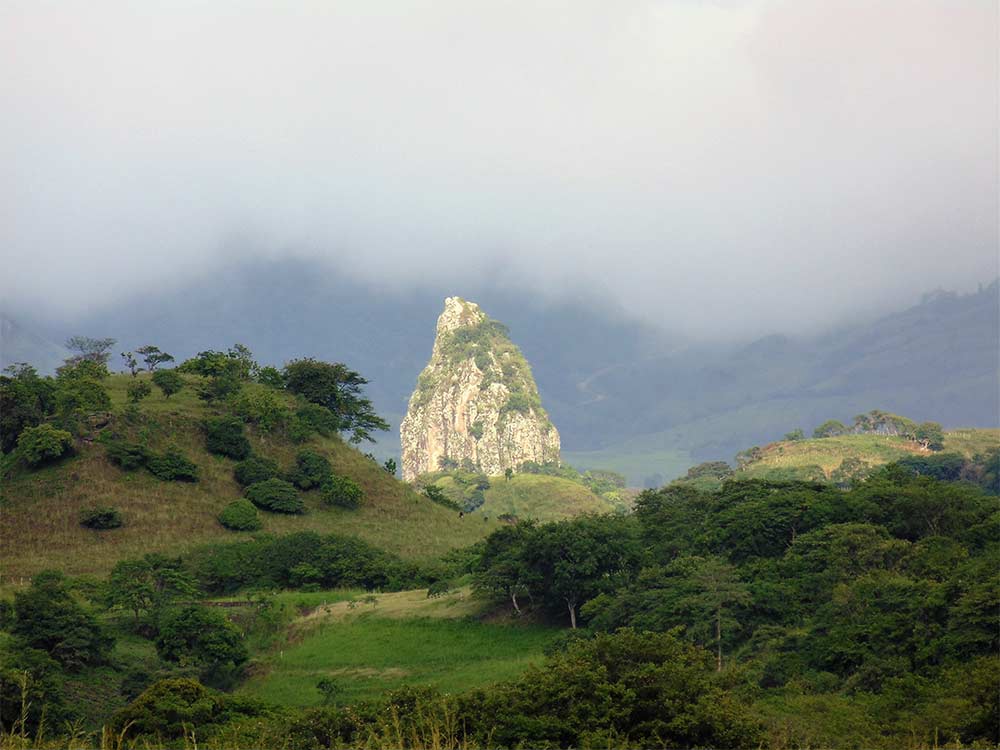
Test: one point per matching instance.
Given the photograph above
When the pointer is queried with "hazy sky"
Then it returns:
(719, 167)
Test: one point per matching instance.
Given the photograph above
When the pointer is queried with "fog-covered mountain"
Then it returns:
(622, 393)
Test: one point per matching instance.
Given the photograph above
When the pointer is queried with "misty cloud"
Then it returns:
(716, 167)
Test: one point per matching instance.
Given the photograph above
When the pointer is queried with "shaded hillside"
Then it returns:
(40, 519)
(936, 361)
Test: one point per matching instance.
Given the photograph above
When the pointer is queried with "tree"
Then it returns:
(237, 363)
(508, 473)
(218, 388)
(625, 689)
(830, 428)
(502, 566)
(930, 435)
(89, 349)
(714, 588)
(168, 381)
(796, 434)
(31, 690)
(46, 617)
(201, 637)
(25, 400)
(390, 466)
(42, 444)
(339, 389)
(148, 585)
(698, 593)
(138, 390)
(262, 406)
(153, 357)
(131, 362)
(576, 560)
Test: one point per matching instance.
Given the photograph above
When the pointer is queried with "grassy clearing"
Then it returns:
(40, 527)
(827, 454)
(542, 497)
(403, 639)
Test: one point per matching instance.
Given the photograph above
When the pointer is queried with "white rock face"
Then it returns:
(476, 402)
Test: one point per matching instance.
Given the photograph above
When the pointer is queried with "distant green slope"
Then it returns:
(541, 497)
(538, 496)
(39, 522)
(821, 458)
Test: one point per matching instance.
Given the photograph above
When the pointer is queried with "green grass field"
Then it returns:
(40, 526)
(538, 496)
(401, 639)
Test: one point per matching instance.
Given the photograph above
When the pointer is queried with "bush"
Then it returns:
(218, 388)
(240, 515)
(138, 390)
(224, 436)
(168, 381)
(255, 469)
(129, 456)
(167, 708)
(342, 492)
(42, 444)
(101, 518)
(275, 495)
(172, 467)
(170, 709)
(311, 470)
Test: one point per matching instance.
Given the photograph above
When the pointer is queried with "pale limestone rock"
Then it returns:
(476, 401)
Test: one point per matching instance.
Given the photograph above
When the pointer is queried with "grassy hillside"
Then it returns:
(539, 496)
(390, 641)
(40, 519)
(821, 458)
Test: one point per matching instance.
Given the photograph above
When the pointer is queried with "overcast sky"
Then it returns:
(718, 167)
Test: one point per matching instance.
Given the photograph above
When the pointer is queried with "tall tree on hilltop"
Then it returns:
(89, 349)
(334, 386)
(153, 357)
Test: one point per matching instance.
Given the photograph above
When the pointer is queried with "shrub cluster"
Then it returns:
(171, 466)
(275, 495)
(342, 492)
(334, 562)
(101, 518)
(42, 444)
(255, 469)
(240, 515)
(225, 436)
(311, 470)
